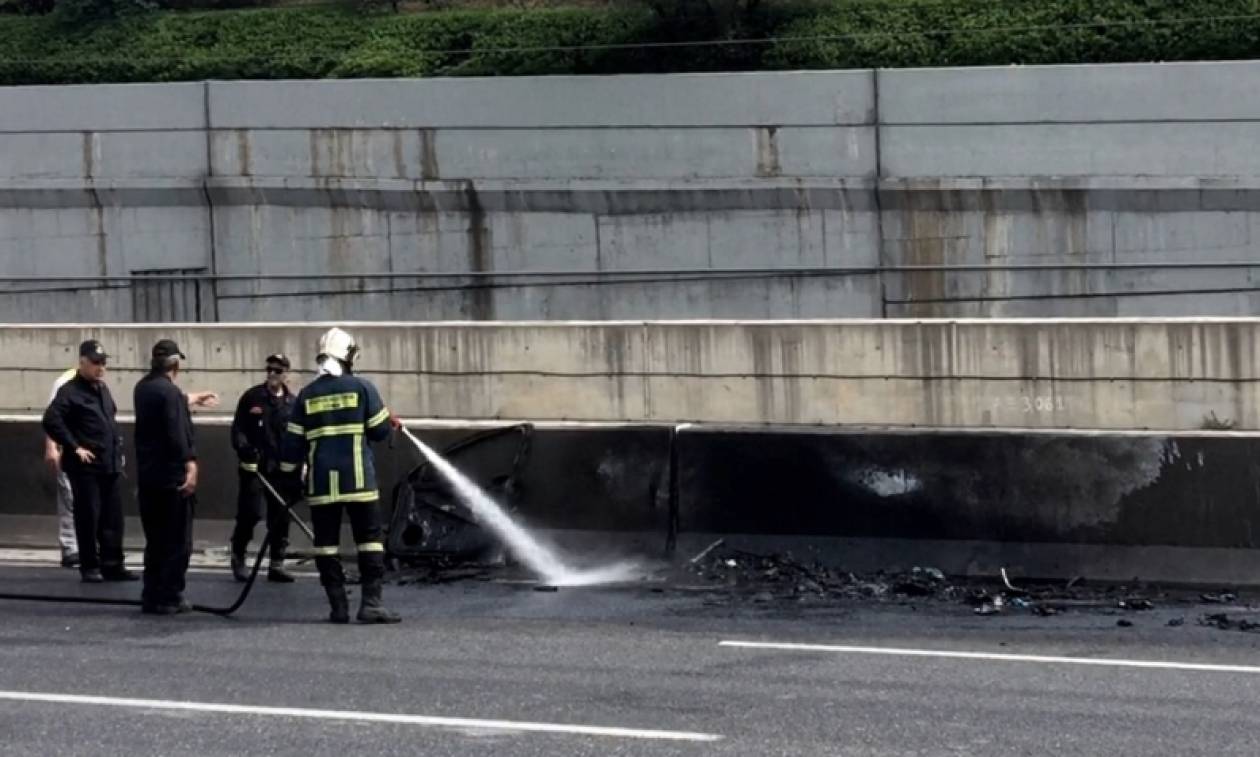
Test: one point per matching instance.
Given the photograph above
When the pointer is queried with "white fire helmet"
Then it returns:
(339, 344)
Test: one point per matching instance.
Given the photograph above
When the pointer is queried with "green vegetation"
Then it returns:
(953, 33)
(127, 40)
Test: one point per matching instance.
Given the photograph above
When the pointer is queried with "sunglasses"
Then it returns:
(275, 371)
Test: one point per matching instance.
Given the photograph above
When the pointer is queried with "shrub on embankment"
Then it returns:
(296, 42)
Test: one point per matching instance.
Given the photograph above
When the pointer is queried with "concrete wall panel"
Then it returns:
(1101, 374)
(1086, 94)
(103, 107)
(1096, 149)
(821, 98)
(1125, 164)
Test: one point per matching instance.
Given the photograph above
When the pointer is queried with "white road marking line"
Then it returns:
(430, 721)
(944, 654)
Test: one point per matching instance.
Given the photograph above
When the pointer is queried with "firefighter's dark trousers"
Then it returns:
(365, 524)
(252, 500)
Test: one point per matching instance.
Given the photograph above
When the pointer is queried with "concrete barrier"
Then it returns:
(1160, 507)
(1080, 374)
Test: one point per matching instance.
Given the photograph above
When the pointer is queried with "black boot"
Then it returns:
(339, 603)
(119, 575)
(277, 548)
(239, 570)
(370, 608)
(277, 573)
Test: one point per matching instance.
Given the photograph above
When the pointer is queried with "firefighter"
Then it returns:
(333, 420)
(257, 433)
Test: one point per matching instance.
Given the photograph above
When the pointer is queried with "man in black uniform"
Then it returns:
(81, 418)
(257, 433)
(166, 459)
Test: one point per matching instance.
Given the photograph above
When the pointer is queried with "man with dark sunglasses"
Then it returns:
(82, 420)
(257, 432)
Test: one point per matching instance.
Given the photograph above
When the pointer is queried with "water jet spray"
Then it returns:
(542, 562)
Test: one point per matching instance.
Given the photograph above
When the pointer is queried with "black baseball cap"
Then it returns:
(278, 359)
(92, 350)
(167, 348)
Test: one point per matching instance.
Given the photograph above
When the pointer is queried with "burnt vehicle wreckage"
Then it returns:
(429, 523)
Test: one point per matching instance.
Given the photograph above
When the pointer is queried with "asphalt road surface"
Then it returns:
(490, 668)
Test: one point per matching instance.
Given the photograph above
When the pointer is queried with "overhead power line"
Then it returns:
(398, 283)
(194, 57)
(870, 270)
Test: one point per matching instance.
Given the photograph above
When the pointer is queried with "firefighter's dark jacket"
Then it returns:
(83, 414)
(258, 428)
(332, 422)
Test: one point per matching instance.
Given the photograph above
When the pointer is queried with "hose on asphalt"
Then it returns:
(223, 612)
(220, 611)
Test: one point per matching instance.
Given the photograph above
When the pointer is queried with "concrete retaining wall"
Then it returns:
(1130, 164)
(1104, 374)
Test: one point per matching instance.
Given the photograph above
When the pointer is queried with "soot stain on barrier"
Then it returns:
(1031, 488)
(1183, 491)
(1208, 495)
(578, 480)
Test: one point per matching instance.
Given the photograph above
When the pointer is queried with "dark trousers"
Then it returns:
(167, 516)
(98, 521)
(365, 524)
(251, 499)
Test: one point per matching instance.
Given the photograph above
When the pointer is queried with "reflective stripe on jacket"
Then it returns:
(333, 420)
